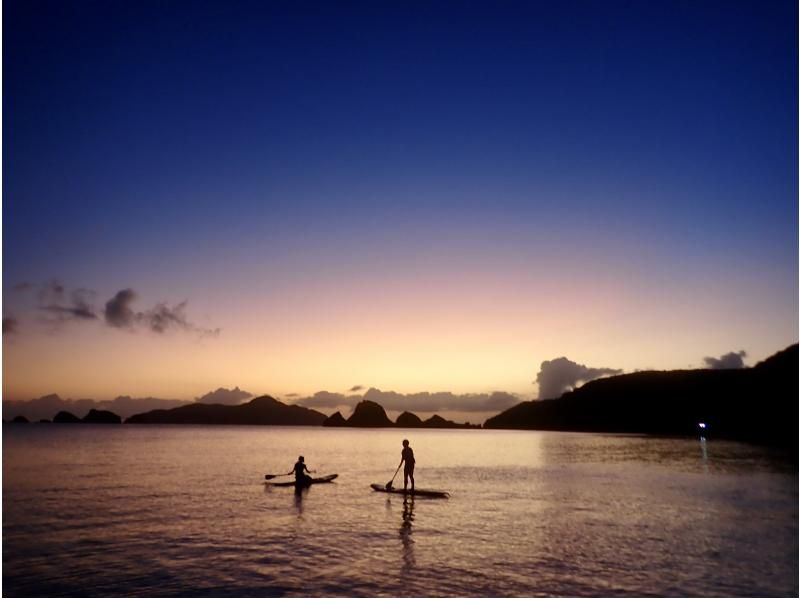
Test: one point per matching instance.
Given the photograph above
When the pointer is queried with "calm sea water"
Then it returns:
(166, 510)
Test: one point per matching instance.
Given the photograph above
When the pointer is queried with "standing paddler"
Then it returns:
(407, 457)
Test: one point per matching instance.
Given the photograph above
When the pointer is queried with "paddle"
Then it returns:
(389, 485)
(269, 476)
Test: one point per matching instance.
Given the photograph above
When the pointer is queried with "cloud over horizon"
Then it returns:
(557, 376)
(224, 396)
(417, 402)
(729, 361)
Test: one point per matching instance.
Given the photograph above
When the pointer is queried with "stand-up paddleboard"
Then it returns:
(322, 480)
(415, 492)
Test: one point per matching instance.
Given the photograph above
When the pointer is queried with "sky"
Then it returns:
(293, 197)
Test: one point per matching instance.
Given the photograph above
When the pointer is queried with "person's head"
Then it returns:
(405, 443)
(300, 458)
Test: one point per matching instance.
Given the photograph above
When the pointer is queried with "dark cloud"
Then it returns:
(326, 400)
(416, 402)
(729, 361)
(60, 304)
(559, 375)
(163, 317)
(118, 312)
(10, 325)
(224, 396)
(356, 388)
(63, 304)
(160, 319)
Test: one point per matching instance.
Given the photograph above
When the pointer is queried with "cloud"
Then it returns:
(416, 402)
(63, 304)
(729, 361)
(223, 396)
(356, 388)
(120, 314)
(10, 325)
(326, 400)
(58, 303)
(559, 375)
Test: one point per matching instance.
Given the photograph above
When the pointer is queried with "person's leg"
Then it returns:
(405, 480)
(411, 475)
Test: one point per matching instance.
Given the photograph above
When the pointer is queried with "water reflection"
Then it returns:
(704, 453)
(299, 494)
(409, 562)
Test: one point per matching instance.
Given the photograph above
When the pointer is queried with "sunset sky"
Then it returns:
(302, 196)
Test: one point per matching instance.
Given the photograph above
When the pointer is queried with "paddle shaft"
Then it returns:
(389, 485)
(269, 476)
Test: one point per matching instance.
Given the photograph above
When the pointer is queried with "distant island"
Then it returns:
(369, 414)
(259, 411)
(758, 404)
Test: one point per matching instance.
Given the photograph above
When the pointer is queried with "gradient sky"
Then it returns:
(417, 197)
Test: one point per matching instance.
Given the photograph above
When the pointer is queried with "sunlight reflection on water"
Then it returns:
(179, 509)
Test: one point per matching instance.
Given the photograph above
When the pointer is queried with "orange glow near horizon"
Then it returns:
(456, 333)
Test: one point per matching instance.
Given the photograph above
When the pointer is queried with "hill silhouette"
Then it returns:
(757, 404)
(47, 406)
(368, 414)
(437, 421)
(259, 411)
(408, 420)
(97, 416)
(335, 421)
(65, 417)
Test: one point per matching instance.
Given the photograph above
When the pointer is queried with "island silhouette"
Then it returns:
(757, 404)
(263, 410)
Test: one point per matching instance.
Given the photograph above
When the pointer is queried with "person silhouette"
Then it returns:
(407, 457)
(300, 469)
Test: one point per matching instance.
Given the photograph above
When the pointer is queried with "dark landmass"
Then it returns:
(45, 421)
(368, 414)
(259, 411)
(96, 416)
(408, 420)
(335, 421)
(45, 407)
(20, 419)
(758, 404)
(65, 417)
(437, 421)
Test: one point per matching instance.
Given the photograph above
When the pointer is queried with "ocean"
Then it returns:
(184, 510)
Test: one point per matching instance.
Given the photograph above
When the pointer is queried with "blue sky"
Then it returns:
(198, 151)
